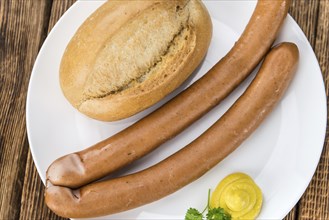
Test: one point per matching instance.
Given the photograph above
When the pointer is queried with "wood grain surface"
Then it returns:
(24, 25)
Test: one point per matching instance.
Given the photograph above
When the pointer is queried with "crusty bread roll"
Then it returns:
(128, 55)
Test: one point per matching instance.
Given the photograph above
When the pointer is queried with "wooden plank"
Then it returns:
(315, 202)
(322, 41)
(32, 201)
(58, 9)
(305, 14)
(20, 21)
(292, 215)
(33, 205)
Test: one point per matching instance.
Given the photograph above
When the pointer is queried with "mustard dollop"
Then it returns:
(239, 195)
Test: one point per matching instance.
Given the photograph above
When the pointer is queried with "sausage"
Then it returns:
(194, 160)
(80, 168)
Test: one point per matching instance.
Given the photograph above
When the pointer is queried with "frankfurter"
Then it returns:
(80, 168)
(194, 160)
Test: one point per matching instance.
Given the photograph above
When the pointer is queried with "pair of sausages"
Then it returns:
(183, 167)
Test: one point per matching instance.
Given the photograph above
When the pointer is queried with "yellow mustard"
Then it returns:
(239, 195)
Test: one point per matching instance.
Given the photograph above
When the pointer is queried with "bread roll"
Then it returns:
(128, 55)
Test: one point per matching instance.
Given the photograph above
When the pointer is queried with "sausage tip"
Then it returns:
(66, 168)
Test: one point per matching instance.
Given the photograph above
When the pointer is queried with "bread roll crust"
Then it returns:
(128, 55)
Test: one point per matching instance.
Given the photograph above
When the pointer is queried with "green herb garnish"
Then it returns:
(193, 214)
(213, 213)
(218, 214)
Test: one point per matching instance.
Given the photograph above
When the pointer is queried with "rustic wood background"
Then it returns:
(24, 25)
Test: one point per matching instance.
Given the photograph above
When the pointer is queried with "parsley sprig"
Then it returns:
(213, 213)
(193, 214)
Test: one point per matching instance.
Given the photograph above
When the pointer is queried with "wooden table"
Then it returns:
(24, 25)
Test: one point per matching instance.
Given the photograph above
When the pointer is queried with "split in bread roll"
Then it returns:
(128, 55)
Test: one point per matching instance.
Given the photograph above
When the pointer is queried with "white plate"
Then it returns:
(281, 155)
